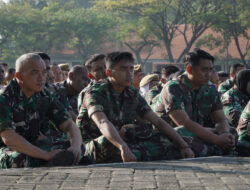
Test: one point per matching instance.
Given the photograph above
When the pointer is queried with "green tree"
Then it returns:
(187, 18)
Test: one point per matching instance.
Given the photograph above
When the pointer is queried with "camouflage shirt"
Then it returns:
(179, 95)
(82, 93)
(152, 93)
(234, 101)
(243, 128)
(225, 86)
(60, 92)
(119, 109)
(27, 116)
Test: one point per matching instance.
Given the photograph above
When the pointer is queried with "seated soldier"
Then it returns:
(69, 90)
(214, 78)
(223, 76)
(147, 83)
(24, 105)
(138, 75)
(166, 72)
(243, 130)
(236, 99)
(190, 101)
(226, 85)
(10, 74)
(96, 72)
(108, 116)
(65, 67)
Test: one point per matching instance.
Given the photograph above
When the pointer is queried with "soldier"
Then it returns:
(25, 105)
(10, 74)
(96, 72)
(2, 76)
(226, 85)
(243, 130)
(57, 73)
(236, 99)
(190, 100)
(165, 73)
(108, 119)
(138, 75)
(215, 78)
(69, 90)
(147, 83)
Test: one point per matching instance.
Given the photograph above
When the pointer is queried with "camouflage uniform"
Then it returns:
(27, 116)
(82, 93)
(59, 91)
(152, 93)
(121, 110)
(198, 104)
(243, 130)
(225, 86)
(234, 101)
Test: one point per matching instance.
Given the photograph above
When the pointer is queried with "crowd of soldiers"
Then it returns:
(107, 110)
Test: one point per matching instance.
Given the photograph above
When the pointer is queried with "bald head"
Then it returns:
(78, 77)
(25, 60)
(78, 70)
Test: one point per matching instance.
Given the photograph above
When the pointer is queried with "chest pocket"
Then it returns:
(205, 104)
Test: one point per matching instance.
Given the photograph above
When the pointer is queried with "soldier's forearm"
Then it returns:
(21, 145)
(109, 131)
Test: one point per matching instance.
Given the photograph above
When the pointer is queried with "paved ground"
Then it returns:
(204, 173)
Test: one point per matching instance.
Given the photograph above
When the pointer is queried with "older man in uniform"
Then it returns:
(25, 105)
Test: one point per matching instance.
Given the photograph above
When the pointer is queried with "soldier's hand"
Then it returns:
(225, 141)
(127, 155)
(49, 155)
(77, 153)
(187, 153)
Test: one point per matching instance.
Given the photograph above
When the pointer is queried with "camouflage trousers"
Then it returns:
(202, 148)
(145, 144)
(13, 159)
(243, 146)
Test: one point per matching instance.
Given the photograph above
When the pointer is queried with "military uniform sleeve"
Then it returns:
(232, 110)
(217, 105)
(93, 101)
(142, 107)
(57, 112)
(5, 115)
(172, 97)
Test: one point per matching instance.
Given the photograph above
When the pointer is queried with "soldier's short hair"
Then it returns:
(193, 58)
(43, 55)
(23, 59)
(234, 67)
(168, 70)
(77, 69)
(115, 57)
(92, 59)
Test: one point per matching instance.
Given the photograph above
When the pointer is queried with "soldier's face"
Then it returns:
(98, 69)
(201, 73)
(57, 73)
(2, 78)
(80, 81)
(33, 76)
(123, 73)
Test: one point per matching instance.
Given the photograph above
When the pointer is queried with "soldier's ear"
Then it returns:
(189, 69)
(91, 76)
(18, 76)
(70, 76)
(108, 72)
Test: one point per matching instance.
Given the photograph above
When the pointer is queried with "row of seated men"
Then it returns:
(111, 121)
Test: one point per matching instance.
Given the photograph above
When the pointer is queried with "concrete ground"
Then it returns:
(201, 173)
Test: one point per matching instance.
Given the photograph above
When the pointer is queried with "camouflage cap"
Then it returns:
(147, 79)
(137, 68)
(64, 66)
